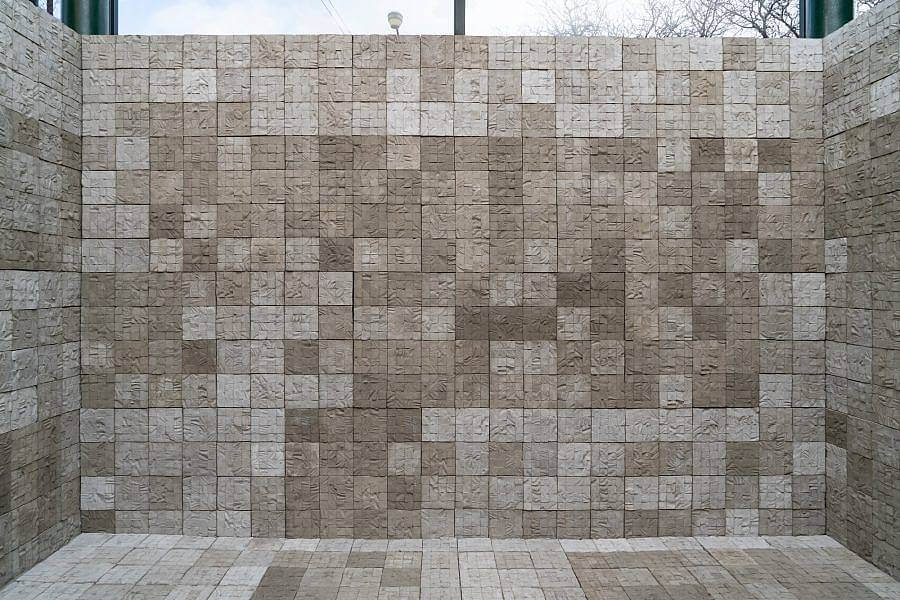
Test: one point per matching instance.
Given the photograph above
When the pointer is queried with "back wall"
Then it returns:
(379, 286)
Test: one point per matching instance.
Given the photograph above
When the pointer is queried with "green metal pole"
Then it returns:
(803, 24)
(815, 18)
(89, 17)
(826, 16)
(837, 14)
(459, 17)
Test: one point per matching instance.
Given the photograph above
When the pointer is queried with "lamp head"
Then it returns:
(395, 19)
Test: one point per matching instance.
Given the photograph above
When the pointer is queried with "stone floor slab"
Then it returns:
(156, 567)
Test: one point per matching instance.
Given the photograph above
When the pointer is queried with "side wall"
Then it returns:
(401, 286)
(862, 195)
(40, 256)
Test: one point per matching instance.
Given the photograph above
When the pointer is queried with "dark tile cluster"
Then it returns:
(862, 259)
(40, 256)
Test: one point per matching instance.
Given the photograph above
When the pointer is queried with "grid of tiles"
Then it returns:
(40, 256)
(393, 287)
(862, 204)
(162, 567)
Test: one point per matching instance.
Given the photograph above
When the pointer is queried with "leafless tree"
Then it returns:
(679, 18)
(573, 17)
(763, 18)
(676, 18)
(658, 18)
(705, 18)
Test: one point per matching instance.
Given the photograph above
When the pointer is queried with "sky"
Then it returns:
(224, 17)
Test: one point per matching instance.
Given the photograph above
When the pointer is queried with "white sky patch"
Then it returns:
(234, 17)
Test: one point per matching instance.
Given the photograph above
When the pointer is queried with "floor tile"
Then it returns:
(162, 567)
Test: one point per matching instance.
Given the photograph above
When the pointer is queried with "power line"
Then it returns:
(335, 16)
(330, 14)
(339, 16)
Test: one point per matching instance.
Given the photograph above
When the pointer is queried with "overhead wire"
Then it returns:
(339, 15)
(335, 15)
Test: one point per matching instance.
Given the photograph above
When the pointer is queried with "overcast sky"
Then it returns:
(484, 17)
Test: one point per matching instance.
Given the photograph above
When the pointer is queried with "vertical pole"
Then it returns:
(459, 17)
(90, 17)
(821, 17)
(803, 32)
(815, 18)
(837, 14)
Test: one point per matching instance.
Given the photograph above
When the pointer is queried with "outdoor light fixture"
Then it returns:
(394, 20)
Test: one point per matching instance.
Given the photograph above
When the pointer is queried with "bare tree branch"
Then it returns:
(660, 18)
(572, 17)
(676, 18)
(764, 18)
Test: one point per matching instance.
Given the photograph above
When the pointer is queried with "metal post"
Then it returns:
(821, 17)
(90, 17)
(803, 32)
(815, 18)
(837, 14)
(459, 17)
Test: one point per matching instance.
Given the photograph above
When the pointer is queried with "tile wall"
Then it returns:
(862, 227)
(379, 286)
(40, 259)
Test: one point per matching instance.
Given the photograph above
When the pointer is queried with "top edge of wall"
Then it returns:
(410, 52)
(238, 37)
(39, 28)
(857, 35)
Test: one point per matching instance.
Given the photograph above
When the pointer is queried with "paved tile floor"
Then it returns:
(151, 567)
